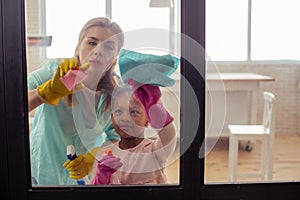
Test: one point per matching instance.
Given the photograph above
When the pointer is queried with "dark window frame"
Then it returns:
(14, 140)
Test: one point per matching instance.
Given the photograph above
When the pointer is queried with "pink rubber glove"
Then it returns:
(149, 96)
(105, 168)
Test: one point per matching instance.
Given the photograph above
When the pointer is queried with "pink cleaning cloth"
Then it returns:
(72, 78)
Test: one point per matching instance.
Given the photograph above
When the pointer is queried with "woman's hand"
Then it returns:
(82, 165)
(53, 90)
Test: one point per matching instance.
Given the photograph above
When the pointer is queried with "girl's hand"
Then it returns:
(108, 165)
(149, 96)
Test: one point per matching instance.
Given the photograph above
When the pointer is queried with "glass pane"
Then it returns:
(138, 134)
(275, 30)
(68, 16)
(247, 139)
(226, 29)
(144, 17)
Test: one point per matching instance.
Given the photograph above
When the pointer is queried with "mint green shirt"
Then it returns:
(55, 127)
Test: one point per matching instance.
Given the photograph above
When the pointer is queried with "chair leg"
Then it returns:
(270, 160)
(232, 161)
(264, 159)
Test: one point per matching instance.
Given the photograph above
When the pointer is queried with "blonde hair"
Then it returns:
(105, 23)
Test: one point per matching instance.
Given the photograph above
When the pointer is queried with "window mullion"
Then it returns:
(108, 10)
(249, 36)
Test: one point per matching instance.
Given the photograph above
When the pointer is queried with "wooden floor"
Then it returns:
(286, 162)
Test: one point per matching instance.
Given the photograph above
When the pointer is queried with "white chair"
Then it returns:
(263, 132)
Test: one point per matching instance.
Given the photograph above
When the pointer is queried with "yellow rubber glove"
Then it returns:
(53, 90)
(82, 165)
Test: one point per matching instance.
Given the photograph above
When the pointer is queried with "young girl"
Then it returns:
(136, 159)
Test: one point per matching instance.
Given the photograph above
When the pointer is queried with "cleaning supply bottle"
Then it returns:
(71, 156)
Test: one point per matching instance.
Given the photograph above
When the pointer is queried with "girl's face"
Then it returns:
(99, 47)
(128, 116)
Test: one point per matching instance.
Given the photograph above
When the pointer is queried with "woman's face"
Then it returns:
(128, 116)
(99, 48)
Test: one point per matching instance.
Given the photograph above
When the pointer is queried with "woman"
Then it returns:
(58, 110)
